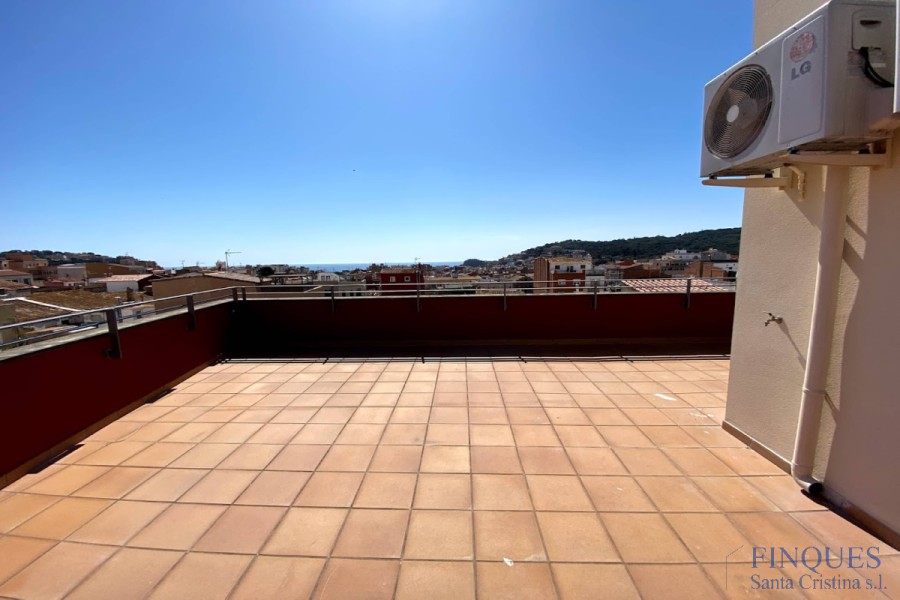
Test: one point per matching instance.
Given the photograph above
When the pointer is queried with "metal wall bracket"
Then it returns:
(790, 177)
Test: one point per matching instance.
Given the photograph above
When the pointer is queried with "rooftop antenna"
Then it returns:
(182, 263)
(227, 254)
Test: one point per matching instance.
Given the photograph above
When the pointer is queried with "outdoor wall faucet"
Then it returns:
(773, 319)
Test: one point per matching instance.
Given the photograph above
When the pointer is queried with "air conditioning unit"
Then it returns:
(821, 85)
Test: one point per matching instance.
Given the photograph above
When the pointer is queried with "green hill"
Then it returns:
(727, 240)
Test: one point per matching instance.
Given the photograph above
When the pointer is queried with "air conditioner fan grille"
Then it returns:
(738, 111)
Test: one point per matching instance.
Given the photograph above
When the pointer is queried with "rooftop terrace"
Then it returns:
(444, 478)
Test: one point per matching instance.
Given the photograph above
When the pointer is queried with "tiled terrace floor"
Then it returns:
(501, 479)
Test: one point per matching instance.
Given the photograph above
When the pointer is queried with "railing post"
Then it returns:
(112, 324)
(244, 293)
(504, 295)
(595, 296)
(234, 294)
(418, 298)
(687, 295)
(333, 305)
(192, 314)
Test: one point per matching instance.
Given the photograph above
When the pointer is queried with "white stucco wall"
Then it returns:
(859, 445)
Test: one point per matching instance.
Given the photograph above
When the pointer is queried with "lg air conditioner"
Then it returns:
(820, 86)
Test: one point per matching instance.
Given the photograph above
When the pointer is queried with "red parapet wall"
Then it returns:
(53, 394)
(280, 327)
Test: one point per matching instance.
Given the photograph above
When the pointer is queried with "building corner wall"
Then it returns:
(858, 443)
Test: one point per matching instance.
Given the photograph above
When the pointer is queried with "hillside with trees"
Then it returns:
(727, 240)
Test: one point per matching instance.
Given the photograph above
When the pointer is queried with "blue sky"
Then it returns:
(348, 131)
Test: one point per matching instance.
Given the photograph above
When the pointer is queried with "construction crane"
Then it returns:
(227, 254)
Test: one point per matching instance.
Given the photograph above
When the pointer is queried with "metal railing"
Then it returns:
(111, 319)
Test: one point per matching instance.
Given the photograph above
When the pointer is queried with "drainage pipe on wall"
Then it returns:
(821, 331)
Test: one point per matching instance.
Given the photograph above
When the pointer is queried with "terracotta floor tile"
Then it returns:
(512, 535)
(167, 485)
(415, 399)
(713, 436)
(274, 488)
(387, 490)
(370, 533)
(404, 434)
(645, 538)
(607, 416)
(219, 487)
(527, 416)
(617, 494)
(567, 416)
(518, 582)
(318, 433)
(204, 456)
(576, 581)
(444, 434)
(330, 489)
(160, 454)
(435, 580)
(596, 461)
(396, 459)
(697, 461)
(669, 436)
(491, 435)
(56, 572)
(773, 529)
(746, 461)
(647, 416)
(192, 433)
(449, 414)
(361, 433)
(449, 491)
(545, 461)
(116, 482)
(275, 433)
(578, 436)
(279, 578)
(740, 582)
(495, 460)
(252, 457)
(358, 579)
(656, 582)
(734, 494)
(437, 534)
(347, 458)
(836, 531)
(783, 492)
(676, 494)
(256, 415)
(116, 431)
(178, 528)
(118, 523)
(373, 410)
(646, 461)
(487, 415)
(306, 532)
(410, 414)
(18, 552)
(234, 433)
(711, 538)
(558, 492)
(202, 577)
(66, 480)
(500, 492)
(129, 575)
(241, 530)
(114, 453)
(576, 537)
(61, 519)
(21, 507)
(521, 400)
(535, 435)
(485, 399)
(445, 459)
(153, 432)
(298, 457)
(624, 436)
